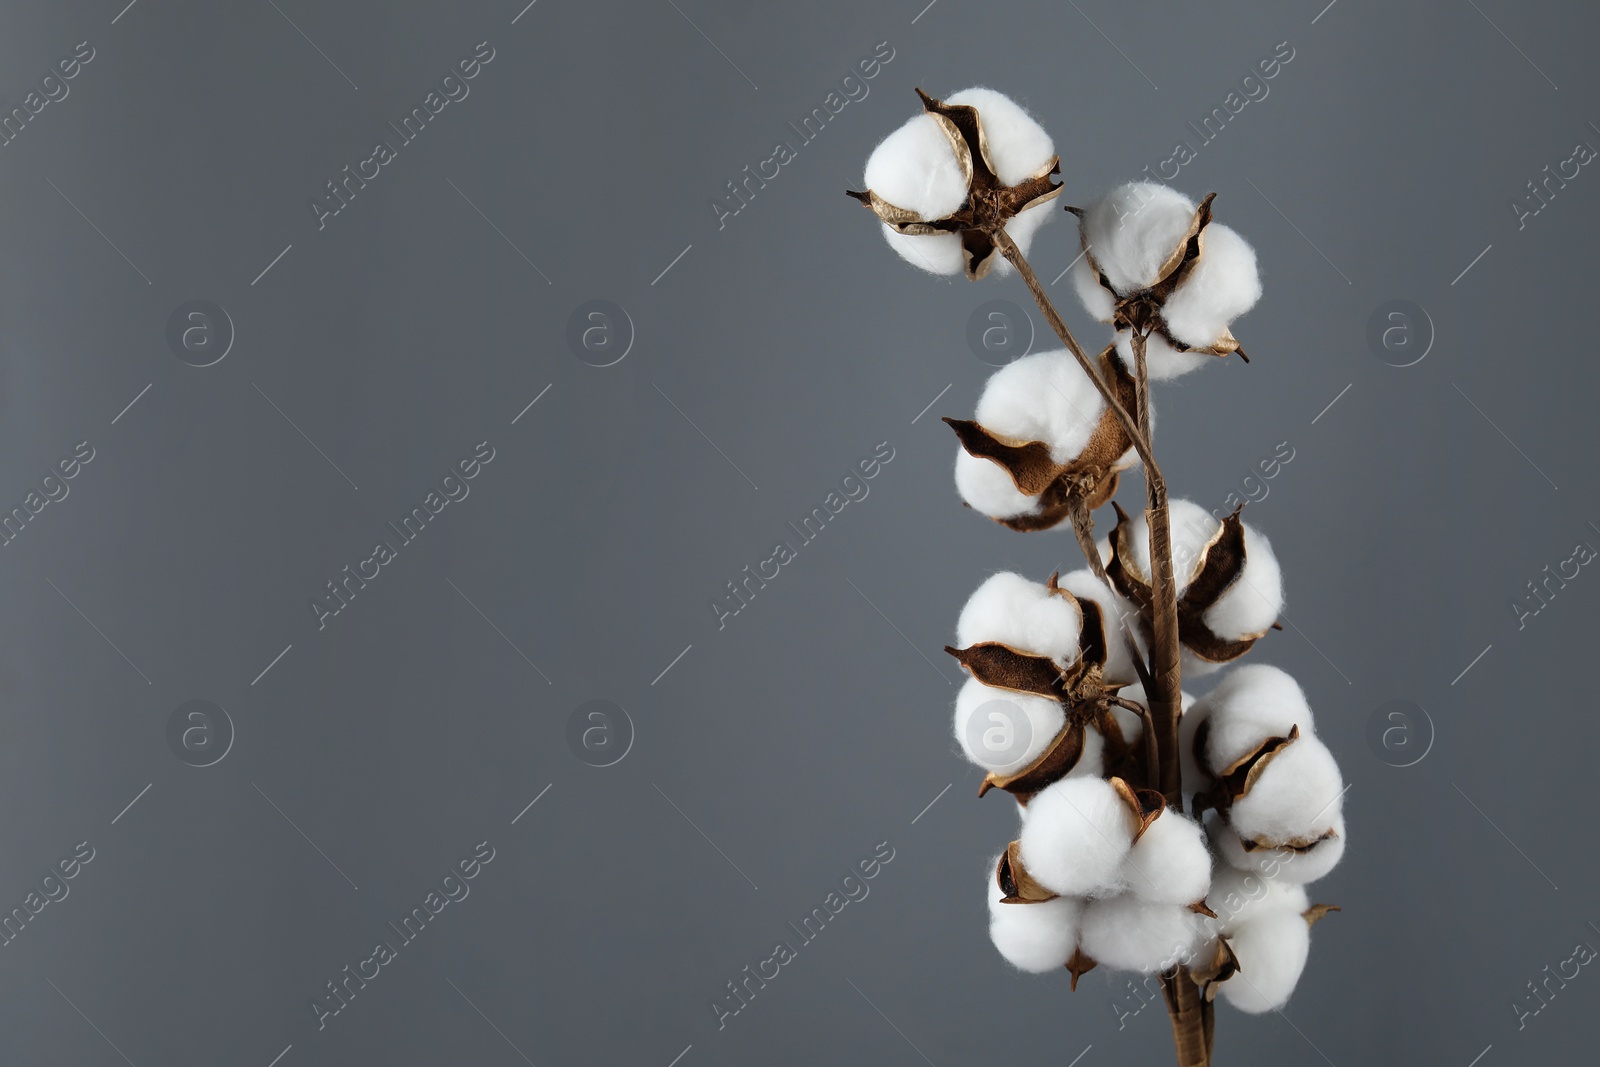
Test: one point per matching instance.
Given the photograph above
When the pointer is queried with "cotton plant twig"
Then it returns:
(1190, 1012)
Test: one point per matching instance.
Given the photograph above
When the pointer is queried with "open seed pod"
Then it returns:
(1033, 935)
(1229, 585)
(942, 201)
(1044, 441)
(1155, 264)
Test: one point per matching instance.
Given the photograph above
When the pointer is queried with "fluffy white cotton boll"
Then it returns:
(1077, 834)
(1296, 868)
(1003, 731)
(1019, 148)
(1170, 863)
(1033, 937)
(1249, 705)
(936, 253)
(1298, 795)
(1023, 615)
(1249, 606)
(1223, 285)
(1045, 397)
(988, 489)
(916, 168)
(1084, 585)
(1132, 231)
(1272, 950)
(1097, 299)
(1162, 362)
(1237, 896)
(1192, 527)
(1129, 933)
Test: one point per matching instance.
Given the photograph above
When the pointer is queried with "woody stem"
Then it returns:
(1013, 254)
(1083, 527)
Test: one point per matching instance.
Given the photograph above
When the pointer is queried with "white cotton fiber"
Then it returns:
(1298, 795)
(1077, 834)
(1271, 948)
(1296, 868)
(1131, 934)
(1003, 731)
(1022, 615)
(1092, 759)
(1249, 705)
(1097, 299)
(1192, 529)
(1033, 937)
(1223, 285)
(1170, 863)
(1042, 397)
(986, 486)
(1249, 606)
(1118, 669)
(916, 168)
(1238, 896)
(936, 253)
(1019, 148)
(1162, 362)
(1133, 230)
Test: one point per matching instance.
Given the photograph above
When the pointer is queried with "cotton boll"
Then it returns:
(986, 486)
(1238, 896)
(1288, 865)
(1249, 705)
(1097, 299)
(1002, 731)
(1131, 934)
(1042, 397)
(1170, 863)
(1133, 230)
(1034, 937)
(1162, 362)
(936, 253)
(1297, 796)
(916, 168)
(1019, 148)
(1077, 834)
(1222, 285)
(1249, 606)
(1272, 950)
(1023, 615)
(1118, 669)
(1192, 529)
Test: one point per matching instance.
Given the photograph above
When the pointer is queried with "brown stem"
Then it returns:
(1151, 755)
(1165, 692)
(1191, 1017)
(1008, 248)
(1083, 527)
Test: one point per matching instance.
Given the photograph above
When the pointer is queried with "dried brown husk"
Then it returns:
(989, 205)
(1317, 912)
(1145, 805)
(1015, 882)
(1222, 965)
(1091, 477)
(1238, 777)
(1141, 311)
(1219, 564)
(1080, 964)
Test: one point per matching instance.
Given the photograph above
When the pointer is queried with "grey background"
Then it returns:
(809, 729)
